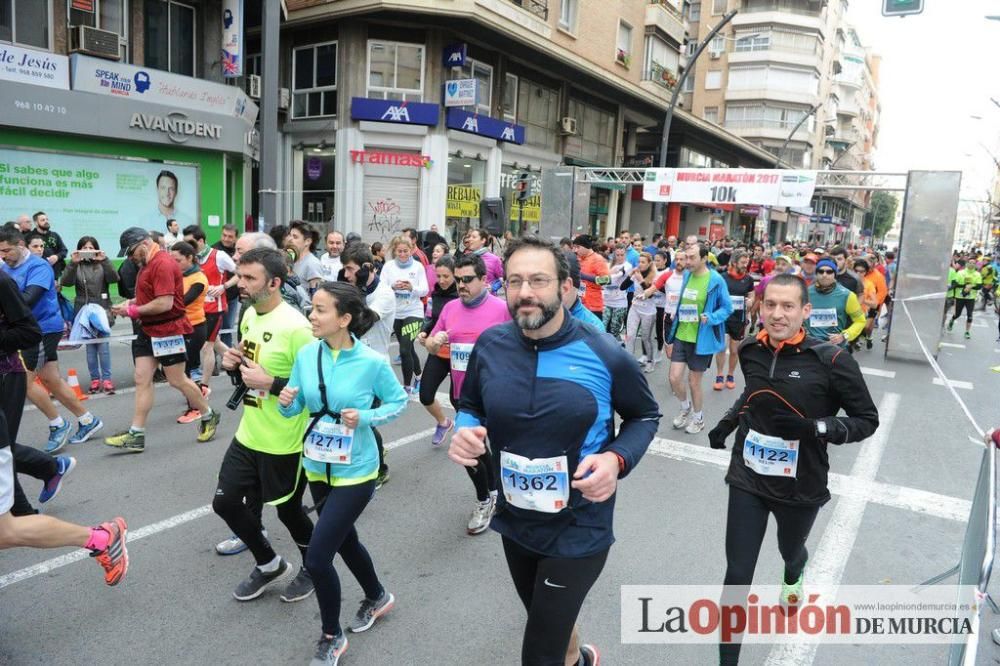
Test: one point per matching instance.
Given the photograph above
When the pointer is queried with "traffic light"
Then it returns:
(523, 187)
(902, 7)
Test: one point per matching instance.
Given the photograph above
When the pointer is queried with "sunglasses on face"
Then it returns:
(824, 271)
(467, 279)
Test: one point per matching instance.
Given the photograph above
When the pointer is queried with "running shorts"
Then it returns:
(45, 351)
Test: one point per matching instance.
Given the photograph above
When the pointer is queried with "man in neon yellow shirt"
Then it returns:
(965, 284)
(263, 460)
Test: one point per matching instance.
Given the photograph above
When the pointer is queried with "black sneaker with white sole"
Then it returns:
(329, 650)
(258, 581)
(370, 611)
(300, 587)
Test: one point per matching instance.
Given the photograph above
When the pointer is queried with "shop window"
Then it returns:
(110, 15)
(510, 98)
(318, 184)
(170, 37)
(25, 22)
(314, 80)
(518, 224)
(466, 184)
(595, 133)
(395, 70)
(482, 73)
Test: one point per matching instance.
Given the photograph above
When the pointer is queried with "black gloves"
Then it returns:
(792, 426)
(717, 436)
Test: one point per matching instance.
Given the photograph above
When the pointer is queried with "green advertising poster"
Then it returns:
(86, 195)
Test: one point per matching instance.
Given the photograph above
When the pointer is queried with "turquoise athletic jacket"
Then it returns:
(718, 307)
(353, 380)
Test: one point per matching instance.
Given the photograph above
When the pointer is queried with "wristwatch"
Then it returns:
(821, 429)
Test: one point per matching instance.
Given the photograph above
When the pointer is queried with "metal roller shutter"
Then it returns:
(391, 205)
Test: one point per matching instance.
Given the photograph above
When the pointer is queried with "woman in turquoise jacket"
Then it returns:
(718, 307)
(336, 379)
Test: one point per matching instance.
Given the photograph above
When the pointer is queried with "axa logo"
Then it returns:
(794, 374)
(471, 124)
(456, 56)
(507, 134)
(397, 114)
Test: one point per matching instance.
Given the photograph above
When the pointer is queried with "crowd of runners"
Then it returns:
(525, 333)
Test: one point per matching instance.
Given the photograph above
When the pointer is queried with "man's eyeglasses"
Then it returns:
(466, 279)
(537, 282)
(824, 271)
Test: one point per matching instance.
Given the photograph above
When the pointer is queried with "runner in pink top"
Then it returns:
(459, 325)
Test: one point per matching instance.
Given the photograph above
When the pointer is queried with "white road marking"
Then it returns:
(955, 383)
(952, 344)
(875, 372)
(827, 563)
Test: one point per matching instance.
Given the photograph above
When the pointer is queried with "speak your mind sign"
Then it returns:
(765, 187)
(96, 196)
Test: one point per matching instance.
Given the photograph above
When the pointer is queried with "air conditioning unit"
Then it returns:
(568, 125)
(92, 41)
(284, 99)
(253, 86)
(715, 55)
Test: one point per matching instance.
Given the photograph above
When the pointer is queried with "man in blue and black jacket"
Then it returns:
(548, 387)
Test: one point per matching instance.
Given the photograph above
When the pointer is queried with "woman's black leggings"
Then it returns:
(436, 369)
(659, 328)
(745, 527)
(406, 331)
(552, 591)
(335, 533)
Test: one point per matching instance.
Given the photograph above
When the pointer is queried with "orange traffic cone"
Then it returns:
(74, 383)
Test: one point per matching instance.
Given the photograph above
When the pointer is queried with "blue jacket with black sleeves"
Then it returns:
(718, 307)
(552, 397)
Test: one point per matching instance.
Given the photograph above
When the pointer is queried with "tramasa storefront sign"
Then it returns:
(394, 111)
(390, 158)
(474, 123)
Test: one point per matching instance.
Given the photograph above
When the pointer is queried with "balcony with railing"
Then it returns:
(662, 15)
(781, 12)
(769, 128)
(659, 79)
(539, 8)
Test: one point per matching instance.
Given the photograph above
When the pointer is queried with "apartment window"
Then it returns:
(252, 65)
(690, 48)
(595, 133)
(711, 114)
(170, 36)
(719, 6)
(777, 78)
(662, 62)
(567, 15)
(314, 80)
(752, 41)
(717, 45)
(110, 15)
(694, 12)
(747, 116)
(713, 80)
(510, 98)
(689, 81)
(395, 70)
(623, 54)
(482, 73)
(539, 113)
(25, 22)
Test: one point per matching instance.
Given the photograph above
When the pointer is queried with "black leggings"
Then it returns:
(659, 328)
(335, 533)
(745, 527)
(552, 591)
(193, 342)
(27, 460)
(436, 370)
(963, 303)
(406, 331)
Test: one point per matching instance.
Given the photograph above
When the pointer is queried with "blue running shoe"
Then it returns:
(64, 465)
(84, 432)
(57, 437)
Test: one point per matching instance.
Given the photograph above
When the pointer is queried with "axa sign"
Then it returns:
(482, 125)
(176, 125)
(394, 111)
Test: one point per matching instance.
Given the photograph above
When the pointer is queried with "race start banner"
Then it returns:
(763, 187)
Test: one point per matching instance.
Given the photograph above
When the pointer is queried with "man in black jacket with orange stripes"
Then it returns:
(795, 386)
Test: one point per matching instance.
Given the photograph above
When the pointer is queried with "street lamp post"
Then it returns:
(664, 141)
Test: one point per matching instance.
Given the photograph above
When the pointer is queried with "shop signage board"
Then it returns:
(97, 196)
(768, 187)
(463, 201)
(35, 67)
(461, 92)
(394, 111)
(232, 38)
(123, 81)
(455, 55)
(474, 123)
(390, 158)
(532, 208)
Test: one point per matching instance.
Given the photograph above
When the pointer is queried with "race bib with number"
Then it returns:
(329, 442)
(771, 456)
(673, 298)
(460, 352)
(403, 294)
(168, 346)
(738, 302)
(688, 313)
(690, 294)
(535, 484)
(823, 318)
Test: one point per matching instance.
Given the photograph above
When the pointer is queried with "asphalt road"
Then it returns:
(897, 517)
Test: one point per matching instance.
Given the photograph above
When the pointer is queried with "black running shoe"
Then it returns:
(300, 587)
(258, 581)
(329, 650)
(371, 611)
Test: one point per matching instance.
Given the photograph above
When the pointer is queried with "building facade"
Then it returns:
(113, 116)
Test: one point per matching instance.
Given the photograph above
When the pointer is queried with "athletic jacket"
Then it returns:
(718, 307)
(812, 379)
(552, 397)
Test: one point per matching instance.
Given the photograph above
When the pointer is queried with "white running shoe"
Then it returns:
(481, 515)
(681, 419)
(695, 426)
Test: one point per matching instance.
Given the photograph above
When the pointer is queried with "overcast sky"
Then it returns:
(938, 68)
